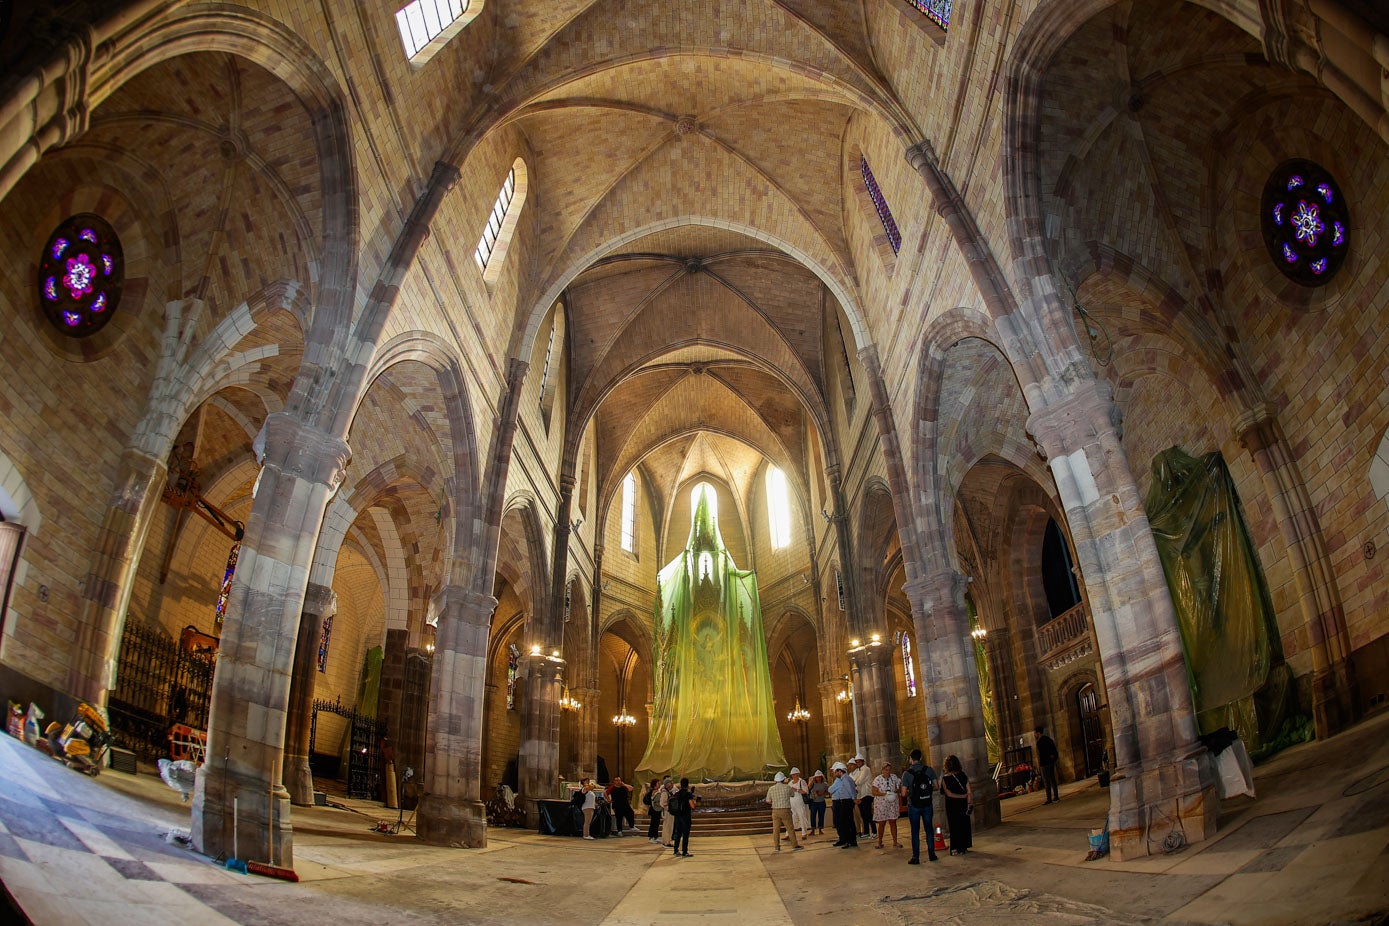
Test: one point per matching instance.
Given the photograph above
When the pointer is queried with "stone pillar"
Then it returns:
(954, 704)
(450, 813)
(1335, 699)
(1163, 791)
(392, 692)
(106, 592)
(586, 731)
(875, 692)
(539, 763)
(839, 733)
(302, 467)
(320, 601)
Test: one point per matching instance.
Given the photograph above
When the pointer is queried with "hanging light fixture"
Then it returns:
(566, 703)
(625, 719)
(798, 714)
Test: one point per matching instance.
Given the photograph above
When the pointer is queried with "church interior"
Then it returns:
(372, 367)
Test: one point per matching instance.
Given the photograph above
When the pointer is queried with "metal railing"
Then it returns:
(158, 684)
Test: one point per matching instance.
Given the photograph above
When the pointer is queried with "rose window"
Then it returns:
(1305, 222)
(80, 275)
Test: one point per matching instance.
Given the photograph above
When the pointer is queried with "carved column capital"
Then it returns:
(297, 448)
(456, 602)
(925, 592)
(1078, 418)
(320, 600)
(1258, 428)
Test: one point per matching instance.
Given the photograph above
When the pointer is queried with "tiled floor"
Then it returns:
(1314, 848)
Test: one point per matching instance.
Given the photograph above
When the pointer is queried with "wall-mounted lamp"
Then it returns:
(535, 649)
(855, 643)
(979, 633)
(575, 524)
(877, 637)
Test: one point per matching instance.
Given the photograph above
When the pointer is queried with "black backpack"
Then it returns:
(578, 799)
(680, 802)
(923, 783)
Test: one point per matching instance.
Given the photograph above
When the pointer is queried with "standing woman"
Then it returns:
(653, 810)
(682, 805)
(819, 793)
(959, 804)
(887, 807)
(800, 790)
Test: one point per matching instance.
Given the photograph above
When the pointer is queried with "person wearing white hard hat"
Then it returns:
(800, 812)
(779, 796)
(843, 794)
(863, 787)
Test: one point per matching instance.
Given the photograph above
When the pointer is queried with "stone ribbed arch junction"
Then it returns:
(300, 206)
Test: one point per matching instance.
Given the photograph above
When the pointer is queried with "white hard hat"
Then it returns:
(818, 774)
(861, 759)
(779, 777)
(795, 771)
(839, 767)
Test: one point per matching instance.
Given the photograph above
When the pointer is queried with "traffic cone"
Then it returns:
(940, 840)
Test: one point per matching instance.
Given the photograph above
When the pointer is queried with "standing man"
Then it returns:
(619, 795)
(682, 805)
(918, 787)
(863, 787)
(843, 795)
(1047, 757)
(779, 796)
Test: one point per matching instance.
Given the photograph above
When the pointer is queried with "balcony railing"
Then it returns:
(1065, 638)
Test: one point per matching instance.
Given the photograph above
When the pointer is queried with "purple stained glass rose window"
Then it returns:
(80, 275)
(1305, 222)
(938, 11)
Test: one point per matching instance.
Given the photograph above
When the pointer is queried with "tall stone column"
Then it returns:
(1163, 792)
(106, 592)
(586, 730)
(1335, 699)
(875, 692)
(954, 704)
(539, 763)
(302, 467)
(450, 812)
(320, 602)
(839, 734)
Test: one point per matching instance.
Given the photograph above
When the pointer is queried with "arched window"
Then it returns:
(501, 223)
(875, 194)
(80, 275)
(324, 638)
(908, 668)
(629, 512)
(938, 11)
(427, 25)
(1058, 572)
(1305, 221)
(778, 508)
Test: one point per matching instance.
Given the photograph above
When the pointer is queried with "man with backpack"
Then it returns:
(682, 805)
(918, 787)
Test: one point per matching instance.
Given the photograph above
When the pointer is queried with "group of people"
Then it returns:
(880, 800)
(668, 805)
(798, 806)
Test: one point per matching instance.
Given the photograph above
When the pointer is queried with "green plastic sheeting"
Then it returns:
(1228, 630)
(370, 688)
(712, 716)
(986, 688)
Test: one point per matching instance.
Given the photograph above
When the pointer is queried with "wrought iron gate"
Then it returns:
(364, 747)
(158, 684)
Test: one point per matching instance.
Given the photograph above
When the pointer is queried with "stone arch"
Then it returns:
(17, 502)
(521, 558)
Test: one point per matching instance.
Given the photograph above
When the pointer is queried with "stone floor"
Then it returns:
(1314, 848)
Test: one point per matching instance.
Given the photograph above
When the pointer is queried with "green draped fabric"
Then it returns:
(986, 688)
(1229, 634)
(712, 716)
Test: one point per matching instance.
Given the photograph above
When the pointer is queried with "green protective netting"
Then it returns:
(712, 716)
(370, 688)
(986, 689)
(1233, 658)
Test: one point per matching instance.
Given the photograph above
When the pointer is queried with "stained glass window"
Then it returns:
(1306, 222)
(894, 237)
(422, 21)
(513, 663)
(488, 243)
(629, 513)
(225, 592)
(938, 11)
(908, 667)
(323, 640)
(80, 275)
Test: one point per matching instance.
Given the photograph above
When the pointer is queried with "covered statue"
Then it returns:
(712, 716)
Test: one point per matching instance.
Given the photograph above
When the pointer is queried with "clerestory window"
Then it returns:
(875, 194)
(778, 508)
(629, 513)
(425, 25)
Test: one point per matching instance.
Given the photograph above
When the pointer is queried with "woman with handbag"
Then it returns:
(887, 804)
(959, 804)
